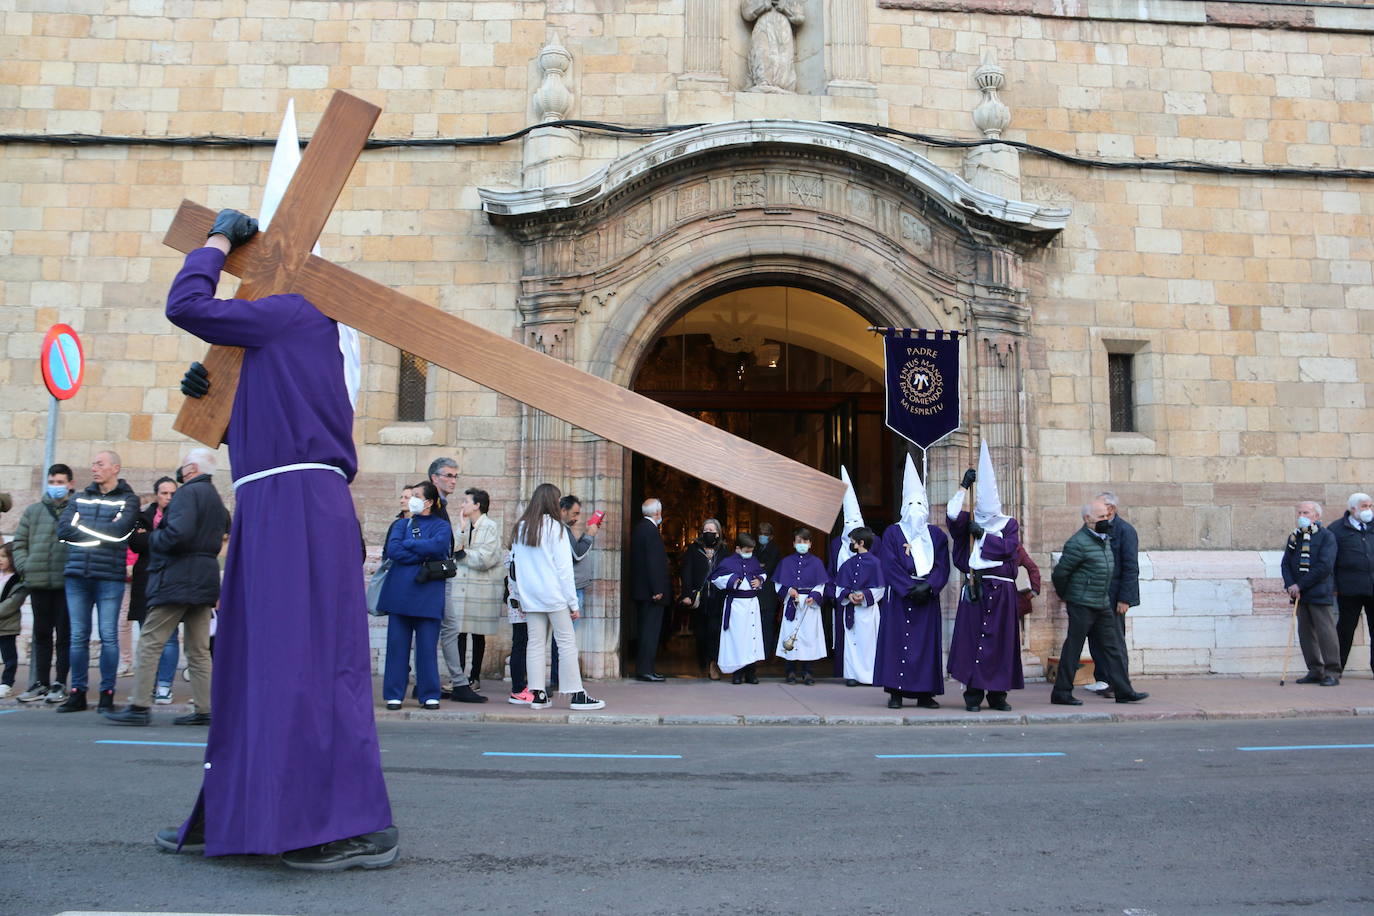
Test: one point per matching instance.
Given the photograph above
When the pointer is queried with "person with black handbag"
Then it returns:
(698, 562)
(413, 596)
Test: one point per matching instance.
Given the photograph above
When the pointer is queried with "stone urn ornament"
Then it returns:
(772, 49)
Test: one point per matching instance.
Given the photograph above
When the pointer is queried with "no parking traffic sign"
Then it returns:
(62, 361)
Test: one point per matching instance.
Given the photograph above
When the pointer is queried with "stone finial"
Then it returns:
(991, 115)
(553, 98)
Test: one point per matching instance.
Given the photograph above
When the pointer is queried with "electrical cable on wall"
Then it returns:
(601, 127)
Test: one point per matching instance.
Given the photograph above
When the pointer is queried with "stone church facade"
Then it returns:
(1233, 302)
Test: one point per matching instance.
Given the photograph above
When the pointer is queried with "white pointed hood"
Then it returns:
(853, 518)
(987, 506)
(286, 155)
(915, 516)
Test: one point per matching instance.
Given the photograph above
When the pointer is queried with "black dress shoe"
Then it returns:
(195, 718)
(927, 703)
(1309, 679)
(973, 707)
(894, 702)
(371, 850)
(465, 694)
(194, 845)
(751, 679)
(850, 682)
(1107, 694)
(650, 678)
(1131, 697)
(737, 678)
(999, 705)
(1066, 701)
(1330, 681)
(130, 715)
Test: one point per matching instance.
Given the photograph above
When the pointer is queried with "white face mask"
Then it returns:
(802, 547)
(1366, 515)
(416, 505)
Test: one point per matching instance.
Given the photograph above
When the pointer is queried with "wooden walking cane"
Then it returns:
(1287, 653)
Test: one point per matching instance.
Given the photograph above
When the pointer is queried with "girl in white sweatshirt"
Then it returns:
(544, 575)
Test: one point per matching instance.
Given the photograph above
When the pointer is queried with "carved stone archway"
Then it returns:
(611, 260)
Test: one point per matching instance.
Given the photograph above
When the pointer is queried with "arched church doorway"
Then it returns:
(786, 367)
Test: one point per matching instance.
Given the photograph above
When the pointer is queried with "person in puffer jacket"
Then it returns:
(96, 526)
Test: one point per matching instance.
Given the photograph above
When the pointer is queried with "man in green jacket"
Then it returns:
(1083, 578)
(40, 558)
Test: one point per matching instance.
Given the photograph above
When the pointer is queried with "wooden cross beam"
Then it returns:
(279, 261)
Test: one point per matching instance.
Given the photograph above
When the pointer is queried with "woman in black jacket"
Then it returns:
(697, 594)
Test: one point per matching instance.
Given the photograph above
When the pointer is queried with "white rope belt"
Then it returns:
(249, 478)
(999, 579)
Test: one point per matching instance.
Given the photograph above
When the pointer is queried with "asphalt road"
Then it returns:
(1148, 819)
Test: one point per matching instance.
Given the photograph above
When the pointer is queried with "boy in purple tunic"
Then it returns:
(800, 579)
(915, 558)
(292, 765)
(856, 589)
(985, 651)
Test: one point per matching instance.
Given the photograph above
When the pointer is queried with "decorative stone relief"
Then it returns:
(772, 48)
(915, 232)
(750, 190)
(805, 190)
(692, 200)
(639, 222)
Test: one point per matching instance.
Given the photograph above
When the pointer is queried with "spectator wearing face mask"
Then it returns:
(1309, 557)
(1354, 571)
(800, 581)
(740, 578)
(698, 563)
(40, 558)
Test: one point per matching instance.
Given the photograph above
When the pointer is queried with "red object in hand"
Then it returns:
(596, 518)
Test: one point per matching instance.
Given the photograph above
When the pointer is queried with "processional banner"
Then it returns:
(922, 383)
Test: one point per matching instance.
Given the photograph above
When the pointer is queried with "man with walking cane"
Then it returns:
(1309, 558)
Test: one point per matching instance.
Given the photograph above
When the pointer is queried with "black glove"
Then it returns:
(196, 382)
(920, 592)
(975, 529)
(969, 477)
(235, 226)
(459, 554)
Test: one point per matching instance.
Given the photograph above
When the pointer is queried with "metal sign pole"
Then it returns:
(50, 447)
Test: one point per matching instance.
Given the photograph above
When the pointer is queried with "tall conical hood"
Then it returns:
(915, 516)
(286, 155)
(987, 507)
(853, 518)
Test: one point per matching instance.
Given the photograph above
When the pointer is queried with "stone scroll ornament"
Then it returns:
(922, 384)
(772, 49)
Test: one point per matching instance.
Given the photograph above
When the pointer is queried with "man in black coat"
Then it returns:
(1308, 560)
(183, 587)
(1124, 589)
(1354, 571)
(649, 586)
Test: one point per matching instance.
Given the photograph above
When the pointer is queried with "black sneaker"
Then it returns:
(129, 715)
(581, 701)
(75, 702)
(106, 700)
(541, 700)
(195, 840)
(465, 694)
(195, 718)
(371, 850)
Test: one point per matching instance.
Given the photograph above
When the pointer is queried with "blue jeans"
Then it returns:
(400, 628)
(553, 665)
(105, 596)
(167, 665)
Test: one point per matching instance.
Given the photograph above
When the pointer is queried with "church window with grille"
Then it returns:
(1121, 389)
(411, 387)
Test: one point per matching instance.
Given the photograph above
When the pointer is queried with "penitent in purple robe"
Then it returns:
(985, 652)
(292, 759)
(910, 635)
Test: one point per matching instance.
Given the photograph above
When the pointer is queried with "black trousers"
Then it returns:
(519, 642)
(1112, 664)
(9, 656)
(1095, 648)
(49, 617)
(650, 628)
(479, 651)
(1349, 621)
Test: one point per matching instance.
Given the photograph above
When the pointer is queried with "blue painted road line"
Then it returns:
(157, 743)
(1308, 747)
(4, 712)
(586, 756)
(931, 756)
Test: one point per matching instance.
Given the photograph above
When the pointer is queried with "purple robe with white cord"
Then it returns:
(911, 632)
(292, 759)
(806, 573)
(985, 652)
(858, 633)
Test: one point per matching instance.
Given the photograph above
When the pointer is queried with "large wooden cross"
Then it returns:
(279, 260)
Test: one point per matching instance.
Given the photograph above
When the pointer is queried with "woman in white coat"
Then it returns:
(543, 571)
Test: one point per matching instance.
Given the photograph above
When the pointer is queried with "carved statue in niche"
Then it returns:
(772, 50)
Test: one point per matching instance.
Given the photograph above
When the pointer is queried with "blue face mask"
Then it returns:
(763, 540)
(55, 490)
(803, 547)
(1304, 522)
(747, 554)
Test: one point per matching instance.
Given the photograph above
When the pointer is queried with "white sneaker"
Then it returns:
(186, 674)
(5, 690)
(125, 669)
(1095, 686)
(580, 700)
(163, 697)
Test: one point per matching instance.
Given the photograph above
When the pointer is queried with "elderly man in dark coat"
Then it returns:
(1125, 587)
(649, 586)
(1309, 557)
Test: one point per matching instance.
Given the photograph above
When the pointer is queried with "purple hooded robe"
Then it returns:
(910, 635)
(985, 651)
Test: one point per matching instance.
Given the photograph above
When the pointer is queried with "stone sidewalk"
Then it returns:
(689, 701)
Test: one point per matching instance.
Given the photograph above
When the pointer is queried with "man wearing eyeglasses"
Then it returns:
(443, 473)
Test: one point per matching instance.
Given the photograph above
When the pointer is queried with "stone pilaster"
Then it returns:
(704, 45)
(847, 67)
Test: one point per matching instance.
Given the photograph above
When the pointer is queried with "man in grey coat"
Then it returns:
(1083, 577)
(40, 557)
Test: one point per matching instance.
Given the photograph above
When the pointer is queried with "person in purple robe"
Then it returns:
(915, 558)
(740, 578)
(857, 588)
(985, 651)
(800, 580)
(292, 765)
